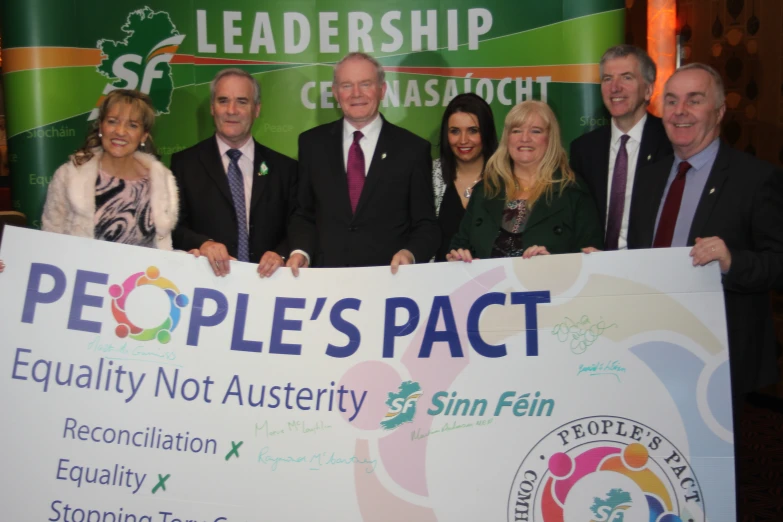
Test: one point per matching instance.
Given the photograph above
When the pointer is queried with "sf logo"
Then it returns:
(401, 405)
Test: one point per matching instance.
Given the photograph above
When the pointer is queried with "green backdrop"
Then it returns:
(61, 56)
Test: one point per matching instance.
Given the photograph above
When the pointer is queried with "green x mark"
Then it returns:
(234, 449)
(161, 483)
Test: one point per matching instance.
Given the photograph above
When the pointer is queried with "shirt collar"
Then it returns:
(698, 160)
(370, 131)
(635, 133)
(247, 149)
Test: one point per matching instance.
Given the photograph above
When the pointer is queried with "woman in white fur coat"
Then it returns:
(114, 188)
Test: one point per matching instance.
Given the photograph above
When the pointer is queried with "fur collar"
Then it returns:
(163, 191)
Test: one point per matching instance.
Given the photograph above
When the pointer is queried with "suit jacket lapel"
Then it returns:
(602, 163)
(493, 213)
(542, 210)
(377, 166)
(210, 157)
(259, 182)
(718, 175)
(333, 147)
(649, 145)
(650, 199)
(493, 209)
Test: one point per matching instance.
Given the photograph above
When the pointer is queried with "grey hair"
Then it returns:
(646, 64)
(233, 71)
(361, 56)
(720, 90)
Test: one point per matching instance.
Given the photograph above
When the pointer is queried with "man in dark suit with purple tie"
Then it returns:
(610, 158)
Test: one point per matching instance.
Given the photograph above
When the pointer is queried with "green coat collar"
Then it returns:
(486, 215)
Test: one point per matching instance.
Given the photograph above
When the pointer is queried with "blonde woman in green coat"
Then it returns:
(530, 202)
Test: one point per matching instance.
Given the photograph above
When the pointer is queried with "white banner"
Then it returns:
(140, 387)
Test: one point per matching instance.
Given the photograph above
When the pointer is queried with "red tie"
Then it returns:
(355, 170)
(671, 208)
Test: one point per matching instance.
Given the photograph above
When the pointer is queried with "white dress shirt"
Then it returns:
(245, 162)
(369, 141)
(632, 146)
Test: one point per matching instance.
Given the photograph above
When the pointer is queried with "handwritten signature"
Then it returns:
(291, 427)
(613, 368)
(112, 351)
(315, 461)
(418, 434)
(580, 334)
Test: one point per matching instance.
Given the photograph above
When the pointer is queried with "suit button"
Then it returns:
(352, 229)
(251, 255)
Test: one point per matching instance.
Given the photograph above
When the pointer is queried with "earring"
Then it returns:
(143, 144)
(100, 135)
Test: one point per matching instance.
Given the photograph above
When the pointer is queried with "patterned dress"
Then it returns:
(122, 211)
(512, 223)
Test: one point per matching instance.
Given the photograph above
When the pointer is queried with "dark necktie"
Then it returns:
(671, 208)
(617, 197)
(355, 170)
(237, 185)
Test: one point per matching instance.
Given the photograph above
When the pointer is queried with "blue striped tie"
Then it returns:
(237, 185)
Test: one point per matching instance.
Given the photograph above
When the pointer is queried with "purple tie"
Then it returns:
(617, 198)
(355, 170)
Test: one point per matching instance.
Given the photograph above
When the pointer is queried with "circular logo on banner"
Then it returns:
(605, 469)
(120, 293)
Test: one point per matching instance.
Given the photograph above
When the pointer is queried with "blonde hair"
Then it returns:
(499, 172)
(141, 105)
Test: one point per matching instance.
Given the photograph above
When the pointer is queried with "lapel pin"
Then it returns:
(712, 190)
(263, 170)
(649, 157)
(383, 156)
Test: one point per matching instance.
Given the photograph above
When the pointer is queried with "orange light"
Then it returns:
(661, 44)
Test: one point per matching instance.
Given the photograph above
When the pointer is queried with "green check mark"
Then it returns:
(234, 449)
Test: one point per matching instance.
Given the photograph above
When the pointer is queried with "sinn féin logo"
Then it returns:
(120, 293)
(605, 469)
(402, 405)
(141, 60)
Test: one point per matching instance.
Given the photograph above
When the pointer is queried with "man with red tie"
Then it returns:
(726, 205)
(365, 185)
